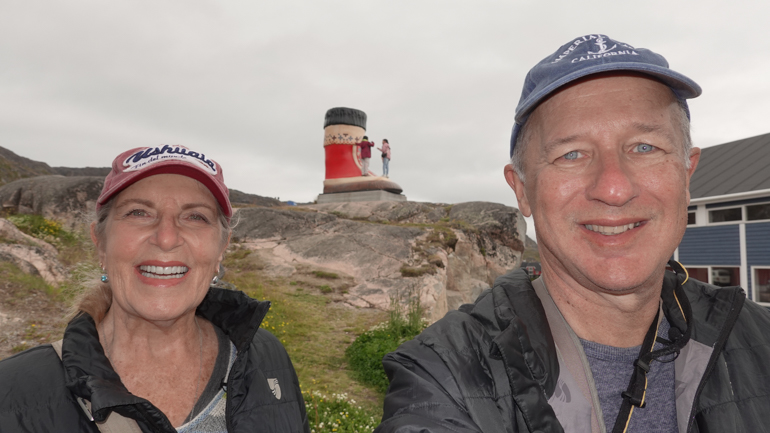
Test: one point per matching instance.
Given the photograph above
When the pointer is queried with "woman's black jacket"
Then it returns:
(38, 391)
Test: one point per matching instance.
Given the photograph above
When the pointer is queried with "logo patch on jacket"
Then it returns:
(275, 387)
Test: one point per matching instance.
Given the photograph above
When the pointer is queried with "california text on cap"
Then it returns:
(592, 54)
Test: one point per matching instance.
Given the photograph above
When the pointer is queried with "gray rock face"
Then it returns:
(13, 166)
(500, 222)
(390, 249)
(82, 171)
(66, 199)
(238, 198)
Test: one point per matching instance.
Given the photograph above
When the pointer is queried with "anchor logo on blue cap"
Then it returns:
(602, 46)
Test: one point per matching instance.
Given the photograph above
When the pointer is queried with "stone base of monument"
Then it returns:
(371, 195)
(360, 183)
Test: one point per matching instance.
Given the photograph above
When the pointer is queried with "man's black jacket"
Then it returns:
(493, 366)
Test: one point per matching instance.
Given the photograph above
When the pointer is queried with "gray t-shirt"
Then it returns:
(612, 368)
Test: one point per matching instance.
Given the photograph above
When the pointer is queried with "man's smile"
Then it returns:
(612, 230)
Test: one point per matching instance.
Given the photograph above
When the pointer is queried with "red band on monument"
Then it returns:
(340, 161)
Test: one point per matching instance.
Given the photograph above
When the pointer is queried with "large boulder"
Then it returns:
(66, 199)
(391, 249)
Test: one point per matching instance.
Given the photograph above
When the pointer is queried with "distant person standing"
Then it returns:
(366, 154)
(385, 156)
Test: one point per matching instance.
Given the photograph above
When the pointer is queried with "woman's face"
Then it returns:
(161, 246)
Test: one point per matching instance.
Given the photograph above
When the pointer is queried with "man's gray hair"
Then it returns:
(681, 117)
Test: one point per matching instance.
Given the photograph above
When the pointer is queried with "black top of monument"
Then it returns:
(345, 116)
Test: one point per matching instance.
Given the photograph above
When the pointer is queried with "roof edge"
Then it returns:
(731, 197)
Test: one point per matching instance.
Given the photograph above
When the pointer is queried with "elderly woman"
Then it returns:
(153, 347)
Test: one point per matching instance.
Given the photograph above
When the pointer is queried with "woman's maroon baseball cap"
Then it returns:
(136, 164)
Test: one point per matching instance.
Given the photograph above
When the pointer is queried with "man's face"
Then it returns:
(606, 182)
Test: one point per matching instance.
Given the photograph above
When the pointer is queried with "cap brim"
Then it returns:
(221, 194)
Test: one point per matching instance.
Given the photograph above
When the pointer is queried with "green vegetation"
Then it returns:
(11, 275)
(325, 289)
(41, 228)
(443, 236)
(73, 247)
(315, 332)
(327, 275)
(366, 353)
(337, 413)
(33, 336)
(417, 271)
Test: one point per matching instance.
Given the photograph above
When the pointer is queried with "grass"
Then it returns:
(22, 293)
(337, 413)
(417, 271)
(366, 353)
(314, 330)
(73, 247)
(10, 274)
(443, 236)
(327, 275)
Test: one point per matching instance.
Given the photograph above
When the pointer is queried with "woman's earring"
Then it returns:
(104, 278)
(218, 276)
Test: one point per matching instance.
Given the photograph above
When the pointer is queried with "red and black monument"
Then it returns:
(344, 128)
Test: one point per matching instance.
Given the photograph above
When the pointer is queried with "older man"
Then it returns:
(607, 340)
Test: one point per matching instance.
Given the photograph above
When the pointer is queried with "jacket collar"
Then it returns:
(89, 374)
(527, 349)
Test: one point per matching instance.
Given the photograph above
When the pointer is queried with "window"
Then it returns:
(700, 274)
(722, 276)
(758, 212)
(723, 215)
(762, 285)
(725, 277)
(690, 218)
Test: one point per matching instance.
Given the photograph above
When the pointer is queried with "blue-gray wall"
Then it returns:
(757, 246)
(708, 246)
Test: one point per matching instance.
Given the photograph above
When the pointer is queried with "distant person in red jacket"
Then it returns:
(385, 156)
(366, 154)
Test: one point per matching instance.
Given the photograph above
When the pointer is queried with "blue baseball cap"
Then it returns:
(588, 55)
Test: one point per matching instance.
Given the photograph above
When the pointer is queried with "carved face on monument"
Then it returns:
(607, 181)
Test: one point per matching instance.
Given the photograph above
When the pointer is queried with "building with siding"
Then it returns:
(727, 241)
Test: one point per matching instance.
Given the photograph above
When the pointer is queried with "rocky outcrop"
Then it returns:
(72, 199)
(82, 171)
(242, 199)
(447, 257)
(13, 167)
(65, 199)
(33, 256)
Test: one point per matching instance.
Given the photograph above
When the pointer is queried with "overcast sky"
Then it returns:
(248, 82)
